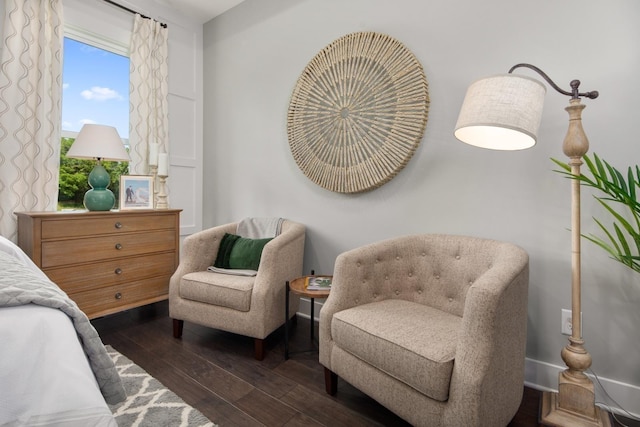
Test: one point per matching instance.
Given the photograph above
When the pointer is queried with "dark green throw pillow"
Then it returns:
(224, 251)
(237, 252)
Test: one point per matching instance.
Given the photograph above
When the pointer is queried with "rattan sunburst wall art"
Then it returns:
(358, 112)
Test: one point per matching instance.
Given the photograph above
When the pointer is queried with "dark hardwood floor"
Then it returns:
(215, 372)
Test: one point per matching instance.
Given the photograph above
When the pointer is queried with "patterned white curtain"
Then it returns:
(149, 89)
(30, 109)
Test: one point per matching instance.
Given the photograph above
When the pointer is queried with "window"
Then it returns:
(95, 90)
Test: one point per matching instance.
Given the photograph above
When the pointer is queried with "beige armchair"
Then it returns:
(433, 327)
(250, 306)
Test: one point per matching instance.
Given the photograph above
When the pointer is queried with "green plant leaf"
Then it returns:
(563, 165)
(618, 192)
(632, 185)
(613, 250)
(623, 242)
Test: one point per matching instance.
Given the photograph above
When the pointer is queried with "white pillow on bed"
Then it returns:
(14, 250)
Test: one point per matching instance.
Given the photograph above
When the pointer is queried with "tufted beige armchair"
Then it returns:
(431, 326)
(250, 306)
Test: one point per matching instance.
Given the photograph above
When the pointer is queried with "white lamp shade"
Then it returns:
(98, 142)
(501, 112)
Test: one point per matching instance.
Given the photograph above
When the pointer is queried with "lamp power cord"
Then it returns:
(617, 405)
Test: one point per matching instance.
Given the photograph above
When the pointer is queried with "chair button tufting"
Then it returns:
(410, 274)
(386, 277)
(457, 256)
(397, 292)
(419, 291)
(438, 276)
(450, 299)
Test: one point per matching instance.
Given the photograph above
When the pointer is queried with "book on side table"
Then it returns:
(318, 283)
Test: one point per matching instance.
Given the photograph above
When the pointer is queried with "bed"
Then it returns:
(54, 369)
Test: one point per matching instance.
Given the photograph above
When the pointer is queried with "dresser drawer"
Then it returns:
(76, 251)
(122, 270)
(111, 299)
(57, 228)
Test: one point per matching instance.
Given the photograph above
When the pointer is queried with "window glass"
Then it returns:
(95, 90)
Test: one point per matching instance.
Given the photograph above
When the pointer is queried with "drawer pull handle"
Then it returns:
(118, 246)
(118, 295)
(118, 224)
(118, 271)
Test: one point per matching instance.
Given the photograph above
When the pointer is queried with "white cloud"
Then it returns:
(98, 93)
(65, 86)
(87, 121)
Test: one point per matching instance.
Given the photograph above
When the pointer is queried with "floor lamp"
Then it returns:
(503, 112)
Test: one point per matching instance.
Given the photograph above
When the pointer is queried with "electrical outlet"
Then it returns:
(566, 322)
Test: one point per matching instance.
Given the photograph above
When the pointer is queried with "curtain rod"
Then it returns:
(132, 11)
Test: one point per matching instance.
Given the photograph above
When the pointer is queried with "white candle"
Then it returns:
(153, 154)
(163, 164)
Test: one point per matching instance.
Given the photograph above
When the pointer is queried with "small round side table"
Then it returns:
(299, 286)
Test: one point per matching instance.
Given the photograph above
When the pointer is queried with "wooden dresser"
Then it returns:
(105, 261)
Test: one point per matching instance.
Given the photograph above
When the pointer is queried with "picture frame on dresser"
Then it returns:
(136, 192)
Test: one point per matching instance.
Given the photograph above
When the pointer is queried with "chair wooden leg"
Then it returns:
(330, 382)
(258, 348)
(177, 328)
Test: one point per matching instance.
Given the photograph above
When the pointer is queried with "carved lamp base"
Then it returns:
(573, 405)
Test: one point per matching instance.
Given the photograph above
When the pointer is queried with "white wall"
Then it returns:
(254, 54)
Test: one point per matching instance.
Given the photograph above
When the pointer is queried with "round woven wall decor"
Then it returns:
(358, 112)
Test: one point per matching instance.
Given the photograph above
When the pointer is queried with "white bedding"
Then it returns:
(45, 377)
(9, 247)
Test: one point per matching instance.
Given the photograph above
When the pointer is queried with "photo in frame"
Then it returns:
(136, 192)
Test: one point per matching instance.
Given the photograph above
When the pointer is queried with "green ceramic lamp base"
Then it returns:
(99, 198)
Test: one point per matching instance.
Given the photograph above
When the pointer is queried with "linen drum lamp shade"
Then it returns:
(98, 142)
(501, 112)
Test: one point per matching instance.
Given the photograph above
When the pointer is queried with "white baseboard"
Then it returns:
(544, 376)
(305, 312)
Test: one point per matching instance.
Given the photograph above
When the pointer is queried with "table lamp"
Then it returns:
(503, 112)
(98, 142)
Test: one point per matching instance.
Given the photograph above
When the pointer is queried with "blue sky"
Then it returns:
(95, 88)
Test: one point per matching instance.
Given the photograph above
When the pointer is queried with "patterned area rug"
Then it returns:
(149, 403)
